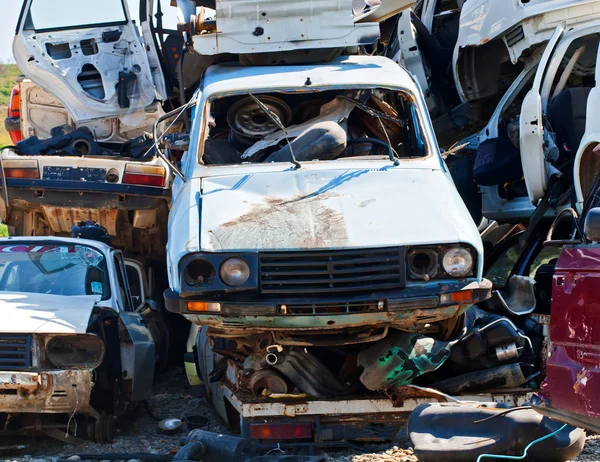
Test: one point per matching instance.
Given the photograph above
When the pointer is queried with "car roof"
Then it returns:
(345, 71)
(102, 247)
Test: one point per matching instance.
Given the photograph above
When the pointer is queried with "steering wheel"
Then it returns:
(374, 143)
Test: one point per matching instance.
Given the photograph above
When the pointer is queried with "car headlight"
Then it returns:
(82, 351)
(423, 264)
(199, 272)
(234, 272)
(457, 262)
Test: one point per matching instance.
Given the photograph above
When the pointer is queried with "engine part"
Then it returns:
(337, 110)
(90, 230)
(322, 141)
(492, 340)
(250, 122)
(399, 359)
(505, 376)
(213, 447)
(267, 380)
(459, 432)
(141, 148)
(306, 372)
(64, 141)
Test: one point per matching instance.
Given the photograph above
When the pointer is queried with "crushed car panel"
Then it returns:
(81, 57)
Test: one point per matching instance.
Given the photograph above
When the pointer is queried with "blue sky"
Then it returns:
(9, 14)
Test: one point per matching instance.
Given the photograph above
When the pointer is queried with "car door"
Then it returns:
(138, 355)
(533, 157)
(90, 55)
(144, 303)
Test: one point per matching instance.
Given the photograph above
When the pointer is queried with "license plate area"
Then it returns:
(75, 174)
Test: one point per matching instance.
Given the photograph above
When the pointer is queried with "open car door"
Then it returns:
(89, 55)
(532, 132)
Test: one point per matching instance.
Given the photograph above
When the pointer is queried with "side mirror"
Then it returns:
(592, 225)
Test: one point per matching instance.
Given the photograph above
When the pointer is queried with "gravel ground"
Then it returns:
(138, 433)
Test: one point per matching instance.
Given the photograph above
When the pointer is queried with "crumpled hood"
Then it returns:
(29, 313)
(324, 209)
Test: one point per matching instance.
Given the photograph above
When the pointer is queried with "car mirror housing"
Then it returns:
(592, 225)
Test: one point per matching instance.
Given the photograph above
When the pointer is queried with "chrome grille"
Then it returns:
(15, 352)
(323, 272)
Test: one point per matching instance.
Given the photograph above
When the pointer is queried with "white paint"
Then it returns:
(59, 76)
(29, 313)
(484, 20)
(273, 25)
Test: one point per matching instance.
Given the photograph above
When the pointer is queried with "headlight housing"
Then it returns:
(81, 351)
(234, 272)
(444, 261)
(457, 262)
(423, 263)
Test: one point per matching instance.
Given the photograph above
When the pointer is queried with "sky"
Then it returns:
(9, 14)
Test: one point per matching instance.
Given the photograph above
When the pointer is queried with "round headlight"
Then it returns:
(423, 264)
(457, 262)
(81, 351)
(234, 272)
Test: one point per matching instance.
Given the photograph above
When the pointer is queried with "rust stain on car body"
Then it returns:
(304, 222)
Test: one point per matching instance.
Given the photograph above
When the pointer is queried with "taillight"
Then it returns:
(144, 175)
(14, 112)
(23, 169)
(296, 431)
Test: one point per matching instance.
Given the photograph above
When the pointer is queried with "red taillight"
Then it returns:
(144, 179)
(14, 111)
(144, 175)
(25, 173)
(21, 169)
(297, 431)
(14, 107)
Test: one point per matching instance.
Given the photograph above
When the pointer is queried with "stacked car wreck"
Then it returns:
(315, 236)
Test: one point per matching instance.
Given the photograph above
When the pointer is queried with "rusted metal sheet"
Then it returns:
(145, 219)
(66, 391)
(355, 406)
(61, 219)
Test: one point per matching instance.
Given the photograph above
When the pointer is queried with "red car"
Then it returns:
(571, 391)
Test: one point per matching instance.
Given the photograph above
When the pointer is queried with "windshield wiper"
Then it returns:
(277, 122)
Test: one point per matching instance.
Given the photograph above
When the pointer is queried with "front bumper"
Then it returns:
(404, 310)
(51, 392)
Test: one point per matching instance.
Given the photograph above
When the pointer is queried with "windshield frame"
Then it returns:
(28, 24)
(205, 104)
(107, 280)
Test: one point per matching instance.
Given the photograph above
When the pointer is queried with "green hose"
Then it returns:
(539, 440)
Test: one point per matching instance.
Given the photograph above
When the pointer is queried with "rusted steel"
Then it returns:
(399, 395)
(54, 392)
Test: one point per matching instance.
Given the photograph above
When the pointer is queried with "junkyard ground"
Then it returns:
(138, 433)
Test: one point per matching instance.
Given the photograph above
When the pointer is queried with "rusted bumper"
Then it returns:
(50, 392)
(407, 311)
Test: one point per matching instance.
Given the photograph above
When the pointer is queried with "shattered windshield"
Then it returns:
(53, 269)
(313, 126)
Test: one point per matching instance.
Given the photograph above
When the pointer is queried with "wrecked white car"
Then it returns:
(536, 152)
(93, 92)
(343, 222)
(79, 340)
(465, 54)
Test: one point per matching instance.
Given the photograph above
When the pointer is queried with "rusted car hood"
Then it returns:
(316, 209)
(27, 313)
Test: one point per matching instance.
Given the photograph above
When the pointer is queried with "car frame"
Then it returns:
(131, 331)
